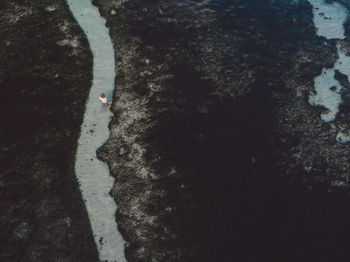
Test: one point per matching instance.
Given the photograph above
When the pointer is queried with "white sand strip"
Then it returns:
(93, 175)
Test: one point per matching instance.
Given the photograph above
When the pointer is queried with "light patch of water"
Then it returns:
(329, 19)
(50, 8)
(343, 137)
(93, 175)
(328, 88)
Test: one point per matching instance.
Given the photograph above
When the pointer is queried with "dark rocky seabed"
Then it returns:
(44, 84)
(216, 152)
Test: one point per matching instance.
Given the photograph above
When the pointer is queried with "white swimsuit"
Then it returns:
(103, 100)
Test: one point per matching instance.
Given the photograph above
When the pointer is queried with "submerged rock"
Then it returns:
(342, 79)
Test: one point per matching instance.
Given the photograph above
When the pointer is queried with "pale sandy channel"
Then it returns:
(93, 175)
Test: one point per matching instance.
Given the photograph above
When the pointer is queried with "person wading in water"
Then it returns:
(103, 99)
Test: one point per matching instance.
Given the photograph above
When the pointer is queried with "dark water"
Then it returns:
(242, 205)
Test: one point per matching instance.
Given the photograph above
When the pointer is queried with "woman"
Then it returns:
(103, 99)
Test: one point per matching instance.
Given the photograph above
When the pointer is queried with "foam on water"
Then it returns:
(93, 175)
